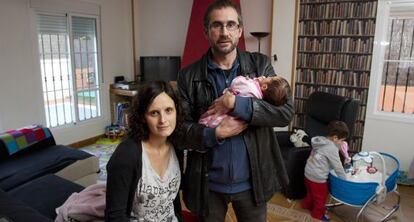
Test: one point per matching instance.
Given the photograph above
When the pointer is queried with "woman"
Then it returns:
(144, 173)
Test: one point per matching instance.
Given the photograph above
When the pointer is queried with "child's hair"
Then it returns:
(337, 128)
(276, 92)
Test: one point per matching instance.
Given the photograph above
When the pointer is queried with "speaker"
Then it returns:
(118, 79)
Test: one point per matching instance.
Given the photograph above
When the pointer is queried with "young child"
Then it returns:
(323, 158)
(272, 89)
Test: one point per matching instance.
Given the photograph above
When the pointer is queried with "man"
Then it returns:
(239, 161)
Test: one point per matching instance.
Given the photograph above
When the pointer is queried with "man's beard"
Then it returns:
(227, 50)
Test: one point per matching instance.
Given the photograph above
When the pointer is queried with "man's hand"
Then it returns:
(229, 127)
(223, 104)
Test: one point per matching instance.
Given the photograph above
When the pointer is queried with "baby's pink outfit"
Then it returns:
(240, 86)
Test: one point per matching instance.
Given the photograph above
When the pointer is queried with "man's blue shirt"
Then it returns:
(229, 163)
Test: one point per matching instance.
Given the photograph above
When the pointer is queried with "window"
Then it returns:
(396, 90)
(69, 65)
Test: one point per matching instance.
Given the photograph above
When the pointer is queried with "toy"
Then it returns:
(348, 168)
(364, 159)
(299, 137)
(114, 131)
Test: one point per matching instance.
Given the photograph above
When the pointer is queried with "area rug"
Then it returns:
(373, 213)
(103, 152)
(274, 212)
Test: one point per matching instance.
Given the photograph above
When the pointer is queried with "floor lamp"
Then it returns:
(259, 36)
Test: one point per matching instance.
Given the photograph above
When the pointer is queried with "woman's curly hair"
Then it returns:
(138, 129)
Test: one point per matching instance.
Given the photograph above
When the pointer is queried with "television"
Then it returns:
(159, 68)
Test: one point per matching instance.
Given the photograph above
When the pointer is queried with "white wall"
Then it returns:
(20, 85)
(393, 137)
(283, 38)
(161, 26)
(20, 88)
(386, 132)
(257, 17)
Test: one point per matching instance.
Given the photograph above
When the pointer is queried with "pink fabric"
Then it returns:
(246, 87)
(240, 86)
(344, 151)
(89, 202)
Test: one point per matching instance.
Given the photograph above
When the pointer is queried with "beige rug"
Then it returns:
(274, 212)
(373, 213)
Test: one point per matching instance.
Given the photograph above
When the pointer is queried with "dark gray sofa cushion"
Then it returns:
(16, 211)
(24, 167)
(46, 193)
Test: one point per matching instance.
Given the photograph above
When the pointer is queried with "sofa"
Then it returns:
(40, 177)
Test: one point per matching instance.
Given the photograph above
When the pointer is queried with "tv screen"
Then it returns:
(159, 68)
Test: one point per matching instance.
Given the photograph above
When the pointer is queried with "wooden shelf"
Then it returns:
(119, 96)
(331, 19)
(306, 98)
(336, 36)
(333, 1)
(339, 69)
(335, 52)
(123, 92)
(332, 85)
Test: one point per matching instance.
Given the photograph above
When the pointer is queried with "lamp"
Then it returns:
(259, 36)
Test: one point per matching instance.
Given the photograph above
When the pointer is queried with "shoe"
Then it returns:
(325, 217)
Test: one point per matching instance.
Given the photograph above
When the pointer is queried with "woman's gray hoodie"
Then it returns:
(323, 158)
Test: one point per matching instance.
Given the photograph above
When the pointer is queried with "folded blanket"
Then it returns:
(87, 205)
(16, 140)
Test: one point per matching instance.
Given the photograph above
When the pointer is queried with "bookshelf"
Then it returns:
(334, 53)
(118, 97)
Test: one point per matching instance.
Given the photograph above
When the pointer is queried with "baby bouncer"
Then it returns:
(371, 178)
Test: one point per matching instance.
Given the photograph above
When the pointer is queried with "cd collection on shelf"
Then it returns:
(334, 53)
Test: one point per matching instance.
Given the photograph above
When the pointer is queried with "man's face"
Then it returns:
(224, 31)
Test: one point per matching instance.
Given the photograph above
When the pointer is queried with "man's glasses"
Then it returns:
(218, 26)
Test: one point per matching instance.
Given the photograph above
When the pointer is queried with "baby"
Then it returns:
(272, 89)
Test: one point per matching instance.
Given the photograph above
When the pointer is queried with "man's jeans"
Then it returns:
(242, 203)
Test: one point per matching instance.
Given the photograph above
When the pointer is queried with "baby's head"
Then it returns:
(275, 89)
(337, 131)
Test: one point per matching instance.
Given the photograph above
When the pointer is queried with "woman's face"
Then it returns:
(161, 116)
